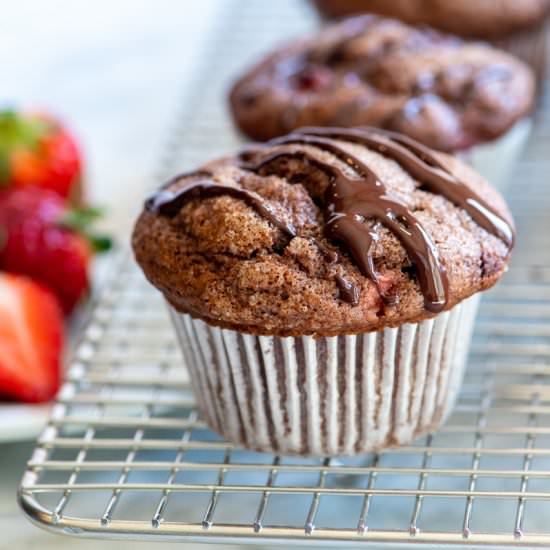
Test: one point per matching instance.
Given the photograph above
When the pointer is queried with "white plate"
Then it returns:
(21, 422)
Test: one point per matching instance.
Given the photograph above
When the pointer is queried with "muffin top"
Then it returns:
(446, 93)
(324, 231)
(471, 18)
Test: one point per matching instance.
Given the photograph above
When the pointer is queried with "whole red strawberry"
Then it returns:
(31, 340)
(42, 238)
(37, 150)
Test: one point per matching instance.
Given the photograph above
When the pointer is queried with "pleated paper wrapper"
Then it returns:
(495, 160)
(327, 396)
(531, 46)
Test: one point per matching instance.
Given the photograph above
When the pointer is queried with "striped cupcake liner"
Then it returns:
(531, 46)
(338, 395)
(495, 160)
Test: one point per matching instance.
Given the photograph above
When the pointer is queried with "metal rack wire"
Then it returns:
(125, 453)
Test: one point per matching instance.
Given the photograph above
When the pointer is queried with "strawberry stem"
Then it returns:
(100, 243)
(80, 219)
(18, 131)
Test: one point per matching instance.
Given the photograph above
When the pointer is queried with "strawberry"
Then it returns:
(36, 150)
(44, 239)
(31, 340)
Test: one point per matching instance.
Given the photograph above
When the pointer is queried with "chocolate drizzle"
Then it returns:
(350, 201)
(348, 291)
(423, 166)
(168, 203)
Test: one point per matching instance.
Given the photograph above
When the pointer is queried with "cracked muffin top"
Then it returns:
(473, 18)
(436, 88)
(324, 231)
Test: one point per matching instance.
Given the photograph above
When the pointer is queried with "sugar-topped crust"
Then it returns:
(218, 258)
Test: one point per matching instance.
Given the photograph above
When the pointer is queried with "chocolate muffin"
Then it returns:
(520, 27)
(323, 286)
(436, 88)
(470, 18)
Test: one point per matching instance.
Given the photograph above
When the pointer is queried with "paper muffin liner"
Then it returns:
(496, 160)
(338, 395)
(531, 46)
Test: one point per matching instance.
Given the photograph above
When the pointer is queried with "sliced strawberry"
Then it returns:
(31, 339)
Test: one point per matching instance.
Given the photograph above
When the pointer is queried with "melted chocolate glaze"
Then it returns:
(348, 291)
(349, 205)
(422, 165)
(168, 203)
(351, 231)
(349, 201)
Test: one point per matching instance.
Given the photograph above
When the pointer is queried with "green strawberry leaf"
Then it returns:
(4, 167)
(18, 131)
(100, 243)
(21, 131)
(80, 219)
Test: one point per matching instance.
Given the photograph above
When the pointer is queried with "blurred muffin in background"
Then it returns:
(518, 26)
(450, 94)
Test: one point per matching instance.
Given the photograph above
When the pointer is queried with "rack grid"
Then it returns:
(126, 454)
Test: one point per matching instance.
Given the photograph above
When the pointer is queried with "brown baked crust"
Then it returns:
(220, 261)
(487, 19)
(438, 89)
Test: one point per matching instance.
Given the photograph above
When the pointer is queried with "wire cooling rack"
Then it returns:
(125, 453)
